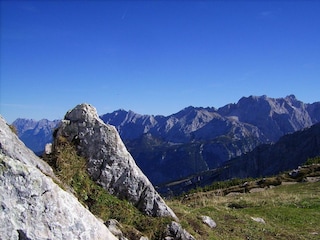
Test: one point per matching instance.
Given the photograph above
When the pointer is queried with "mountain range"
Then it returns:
(290, 151)
(195, 139)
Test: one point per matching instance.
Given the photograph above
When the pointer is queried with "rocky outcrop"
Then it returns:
(32, 205)
(108, 161)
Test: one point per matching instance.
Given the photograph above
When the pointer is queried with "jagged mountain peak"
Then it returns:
(192, 110)
(291, 97)
(254, 99)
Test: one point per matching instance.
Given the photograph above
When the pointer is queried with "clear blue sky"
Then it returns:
(154, 57)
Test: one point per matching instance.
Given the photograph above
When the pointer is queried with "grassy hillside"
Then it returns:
(290, 211)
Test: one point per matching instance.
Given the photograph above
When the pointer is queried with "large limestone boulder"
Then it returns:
(32, 205)
(108, 161)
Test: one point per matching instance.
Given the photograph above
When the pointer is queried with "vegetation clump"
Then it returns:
(13, 129)
(315, 160)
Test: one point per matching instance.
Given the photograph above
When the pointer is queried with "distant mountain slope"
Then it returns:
(291, 151)
(196, 139)
(35, 134)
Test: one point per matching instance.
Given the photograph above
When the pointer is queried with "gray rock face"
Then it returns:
(109, 162)
(32, 205)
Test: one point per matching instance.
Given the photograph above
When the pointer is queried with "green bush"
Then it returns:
(315, 160)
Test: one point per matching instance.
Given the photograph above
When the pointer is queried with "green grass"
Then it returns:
(290, 212)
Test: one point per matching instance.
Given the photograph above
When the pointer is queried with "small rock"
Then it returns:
(258, 219)
(245, 184)
(48, 148)
(231, 194)
(294, 173)
(176, 232)
(254, 190)
(115, 228)
(288, 183)
(312, 179)
(144, 238)
(208, 220)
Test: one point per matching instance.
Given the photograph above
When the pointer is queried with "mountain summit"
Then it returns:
(273, 116)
